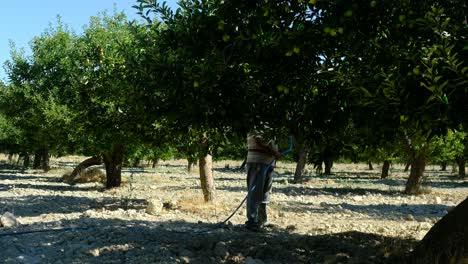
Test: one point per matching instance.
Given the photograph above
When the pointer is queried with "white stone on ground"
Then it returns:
(8, 220)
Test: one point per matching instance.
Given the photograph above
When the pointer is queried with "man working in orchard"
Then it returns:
(259, 182)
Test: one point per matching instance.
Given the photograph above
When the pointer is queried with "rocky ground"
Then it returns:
(158, 216)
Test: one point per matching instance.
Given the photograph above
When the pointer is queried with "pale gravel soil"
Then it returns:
(350, 217)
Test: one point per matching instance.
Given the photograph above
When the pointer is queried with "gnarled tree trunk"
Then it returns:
(10, 157)
(190, 163)
(328, 165)
(418, 165)
(385, 169)
(95, 160)
(303, 152)
(443, 166)
(461, 167)
(45, 159)
(446, 241)
(113, 161)
(155, 162)
(407, 165)
(37, 159)
(26, 161)
(206, 173)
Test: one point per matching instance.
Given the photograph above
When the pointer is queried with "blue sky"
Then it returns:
(20, 21)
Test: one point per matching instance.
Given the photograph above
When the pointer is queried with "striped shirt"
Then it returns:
(258, 153)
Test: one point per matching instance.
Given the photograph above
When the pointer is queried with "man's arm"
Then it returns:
(268, 148)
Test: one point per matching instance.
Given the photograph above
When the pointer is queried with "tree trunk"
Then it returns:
(301, 162)
(206, 173)
(461, 167)
(370, 165)
(26, 161)
(418, 165)
(45, 159)
(113, 162)
(443, 166)
(385, 169)
(136, 162)
(408, 164)
(37, 159)
(10, 157)
(446, 241)
(190, 163)
(328, 166)
(155, 162)
(95, 160)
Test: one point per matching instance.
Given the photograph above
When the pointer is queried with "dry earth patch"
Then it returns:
(350, 217)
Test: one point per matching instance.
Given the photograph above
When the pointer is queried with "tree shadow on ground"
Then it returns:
(136, 241)
(17, 176)
(10, 166)
(445, 182)
(55, 188)
(420, 212)
(335, 191)
(35, 205)
(292, 190)
(345, 177)
(357, 175)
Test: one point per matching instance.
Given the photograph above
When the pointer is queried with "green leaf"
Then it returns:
(348, 13)
(366, 92)
(445, 99)
(221, 25)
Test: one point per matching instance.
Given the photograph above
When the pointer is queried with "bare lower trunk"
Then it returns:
(408, 164)
(190, 163)
(370, 165)
(45, 159)
(113, 161)
(443, 166)
(446, 241)
(26, 161)
(418, 165)
(328, 166)
(301, 163)
(385, 169)
(37, 159)
(136, 163)
(206, 173)
(96, 160)
(155, 162)
(461, 167)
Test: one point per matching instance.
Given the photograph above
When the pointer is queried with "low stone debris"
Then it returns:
(8, 220)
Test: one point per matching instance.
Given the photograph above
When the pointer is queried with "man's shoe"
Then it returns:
(255, 227)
